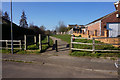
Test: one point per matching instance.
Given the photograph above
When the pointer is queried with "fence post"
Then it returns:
(71, 43)
(93, 45)
(6, 44)
(25, 42)
(20, 44)
(35, 40)
(56, 45)
(48, 40)
(40, 43)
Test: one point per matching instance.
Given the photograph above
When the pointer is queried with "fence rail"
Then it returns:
(23, 44)
(93, 44)
(15, 43)
(26, 44)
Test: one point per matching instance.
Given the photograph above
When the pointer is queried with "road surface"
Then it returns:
(52, 64)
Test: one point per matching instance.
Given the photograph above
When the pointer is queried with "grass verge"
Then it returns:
(31, 49)
(17, 61)
(64, 37)
(67, 38)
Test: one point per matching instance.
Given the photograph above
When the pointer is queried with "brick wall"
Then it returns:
(118, 8)
(111, 18)
(93, 27)
(104, 40)
(111, 41)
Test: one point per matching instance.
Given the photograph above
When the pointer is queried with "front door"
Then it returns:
(114, 29)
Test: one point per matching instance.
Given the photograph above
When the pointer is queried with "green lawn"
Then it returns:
(97, 47)
(44, 47)
(63, 37)
(67, 38)
(32, 47)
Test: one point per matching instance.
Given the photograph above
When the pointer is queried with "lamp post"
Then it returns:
(11, 30)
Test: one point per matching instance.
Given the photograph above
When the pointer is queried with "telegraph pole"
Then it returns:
(11, 30)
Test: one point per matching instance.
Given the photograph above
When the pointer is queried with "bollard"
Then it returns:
(48, 39)
(40, 42)
(93, 47)
(56, 45)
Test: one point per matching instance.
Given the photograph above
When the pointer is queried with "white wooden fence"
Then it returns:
(35, 42)
(93, 44)
(8, 43)
(20, 43)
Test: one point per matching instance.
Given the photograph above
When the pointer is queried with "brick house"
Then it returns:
(109, 23)
(76, 28)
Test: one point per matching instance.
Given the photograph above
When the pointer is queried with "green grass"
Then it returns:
(31, 49)
(44, 47)
(97, 47)
(97, 54)
(16, 61)
(67, 38)
(63, 37)
(20, 51)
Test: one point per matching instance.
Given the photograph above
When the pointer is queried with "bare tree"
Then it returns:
(57, 29)
(47, 32)
(31, 25)
(42, 28)
(62, 27)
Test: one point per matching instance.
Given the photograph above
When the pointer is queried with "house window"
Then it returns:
(117, 15)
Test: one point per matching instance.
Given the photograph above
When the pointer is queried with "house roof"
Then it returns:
(101, 18)
(72, 25)
(116, 2)
(75, 25)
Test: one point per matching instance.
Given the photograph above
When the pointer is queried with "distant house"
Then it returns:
(109, 23)
(71, 26)
(76, 28)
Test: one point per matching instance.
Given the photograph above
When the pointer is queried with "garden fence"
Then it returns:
(93, 44)
(8, 44)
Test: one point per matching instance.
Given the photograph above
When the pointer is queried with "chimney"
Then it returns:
(117, 5)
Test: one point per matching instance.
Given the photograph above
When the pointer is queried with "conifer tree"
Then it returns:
(23, 20)
(6, 16)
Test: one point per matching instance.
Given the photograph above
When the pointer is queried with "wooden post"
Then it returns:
(35, 42)
(25, 42)
(93, 45)
(56, 45)
(20, 45)
(40, 43)
(48, 39)
(71, 43)
(6, 44)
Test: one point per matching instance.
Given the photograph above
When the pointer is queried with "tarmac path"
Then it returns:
(52, 64)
